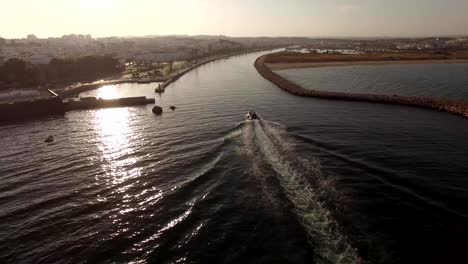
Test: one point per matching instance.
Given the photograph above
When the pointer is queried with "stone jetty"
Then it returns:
(450, 106)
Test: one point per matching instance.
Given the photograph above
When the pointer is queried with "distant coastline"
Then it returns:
(263, 67)
(292, 60)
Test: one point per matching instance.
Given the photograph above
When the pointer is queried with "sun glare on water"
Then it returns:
(108, 92)
(114, 133)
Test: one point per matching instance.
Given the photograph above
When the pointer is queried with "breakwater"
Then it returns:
(94, 103)
(450, 106)
(75, 90)
(31, 109)
(55, 106)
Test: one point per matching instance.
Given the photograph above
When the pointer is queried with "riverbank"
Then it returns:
(177, 76)
(453, 107)
(72, 91)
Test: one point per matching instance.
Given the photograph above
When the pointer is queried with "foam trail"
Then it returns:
(316, 219)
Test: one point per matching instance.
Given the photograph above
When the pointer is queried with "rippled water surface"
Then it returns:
(313, 181)
(447, 81)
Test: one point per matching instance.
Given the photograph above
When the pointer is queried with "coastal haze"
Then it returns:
(357, 18)
(125, 138)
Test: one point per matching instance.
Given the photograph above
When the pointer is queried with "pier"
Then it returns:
(56, 106)
(95, 103)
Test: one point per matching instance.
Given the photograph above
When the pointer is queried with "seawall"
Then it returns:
(55, 106)
(72, 91)
(31, 109)
(94, 103)
(453, 107)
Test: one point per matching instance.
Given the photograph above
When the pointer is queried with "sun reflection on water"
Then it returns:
(108, 92)
(114, 141)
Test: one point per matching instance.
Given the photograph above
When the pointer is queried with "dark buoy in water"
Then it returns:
(172, 107)
(157, 110)
(49, 139)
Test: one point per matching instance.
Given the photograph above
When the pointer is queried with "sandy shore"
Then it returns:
(302, 65)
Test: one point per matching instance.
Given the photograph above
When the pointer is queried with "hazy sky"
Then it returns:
(102, 18)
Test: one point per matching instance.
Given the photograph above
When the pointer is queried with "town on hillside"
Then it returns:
(33, 62)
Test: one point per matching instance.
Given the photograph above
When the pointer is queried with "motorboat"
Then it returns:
(160, 89)
(251, 115)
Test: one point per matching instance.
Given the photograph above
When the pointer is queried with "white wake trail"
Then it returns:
(323, 231)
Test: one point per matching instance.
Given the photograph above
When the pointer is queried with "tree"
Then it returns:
(31, 37)
(17, 71)
(171, 66)
(14, 66)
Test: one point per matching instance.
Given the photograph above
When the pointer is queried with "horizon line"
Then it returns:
(259, 36)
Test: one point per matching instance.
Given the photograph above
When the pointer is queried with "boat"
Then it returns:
(159, 89)
(251, 115)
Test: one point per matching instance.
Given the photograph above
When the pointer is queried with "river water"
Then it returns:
(445, 81)
(314, 181)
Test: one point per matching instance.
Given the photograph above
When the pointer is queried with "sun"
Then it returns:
(98, 5)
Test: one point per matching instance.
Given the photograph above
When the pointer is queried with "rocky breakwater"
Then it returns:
(450, 106)
(94, 103)
(31, 108)
(19, 110)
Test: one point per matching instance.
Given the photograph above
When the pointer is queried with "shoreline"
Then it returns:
(304, 65)
(165, 81)
(193, 67)
(67, 92)
(454, 107)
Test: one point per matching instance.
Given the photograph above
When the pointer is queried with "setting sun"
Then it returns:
(99, 4)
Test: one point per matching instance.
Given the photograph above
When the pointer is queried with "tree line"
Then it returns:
(19, 73)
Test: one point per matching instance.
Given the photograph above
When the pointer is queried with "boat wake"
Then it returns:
(267, 145)
(246, 186)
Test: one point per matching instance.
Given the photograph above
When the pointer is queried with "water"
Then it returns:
(314, 181)
(446, 81)
(322, 51)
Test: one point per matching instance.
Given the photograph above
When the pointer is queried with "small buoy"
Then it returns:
(172, 107)
(157, 110)
(49, 139)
